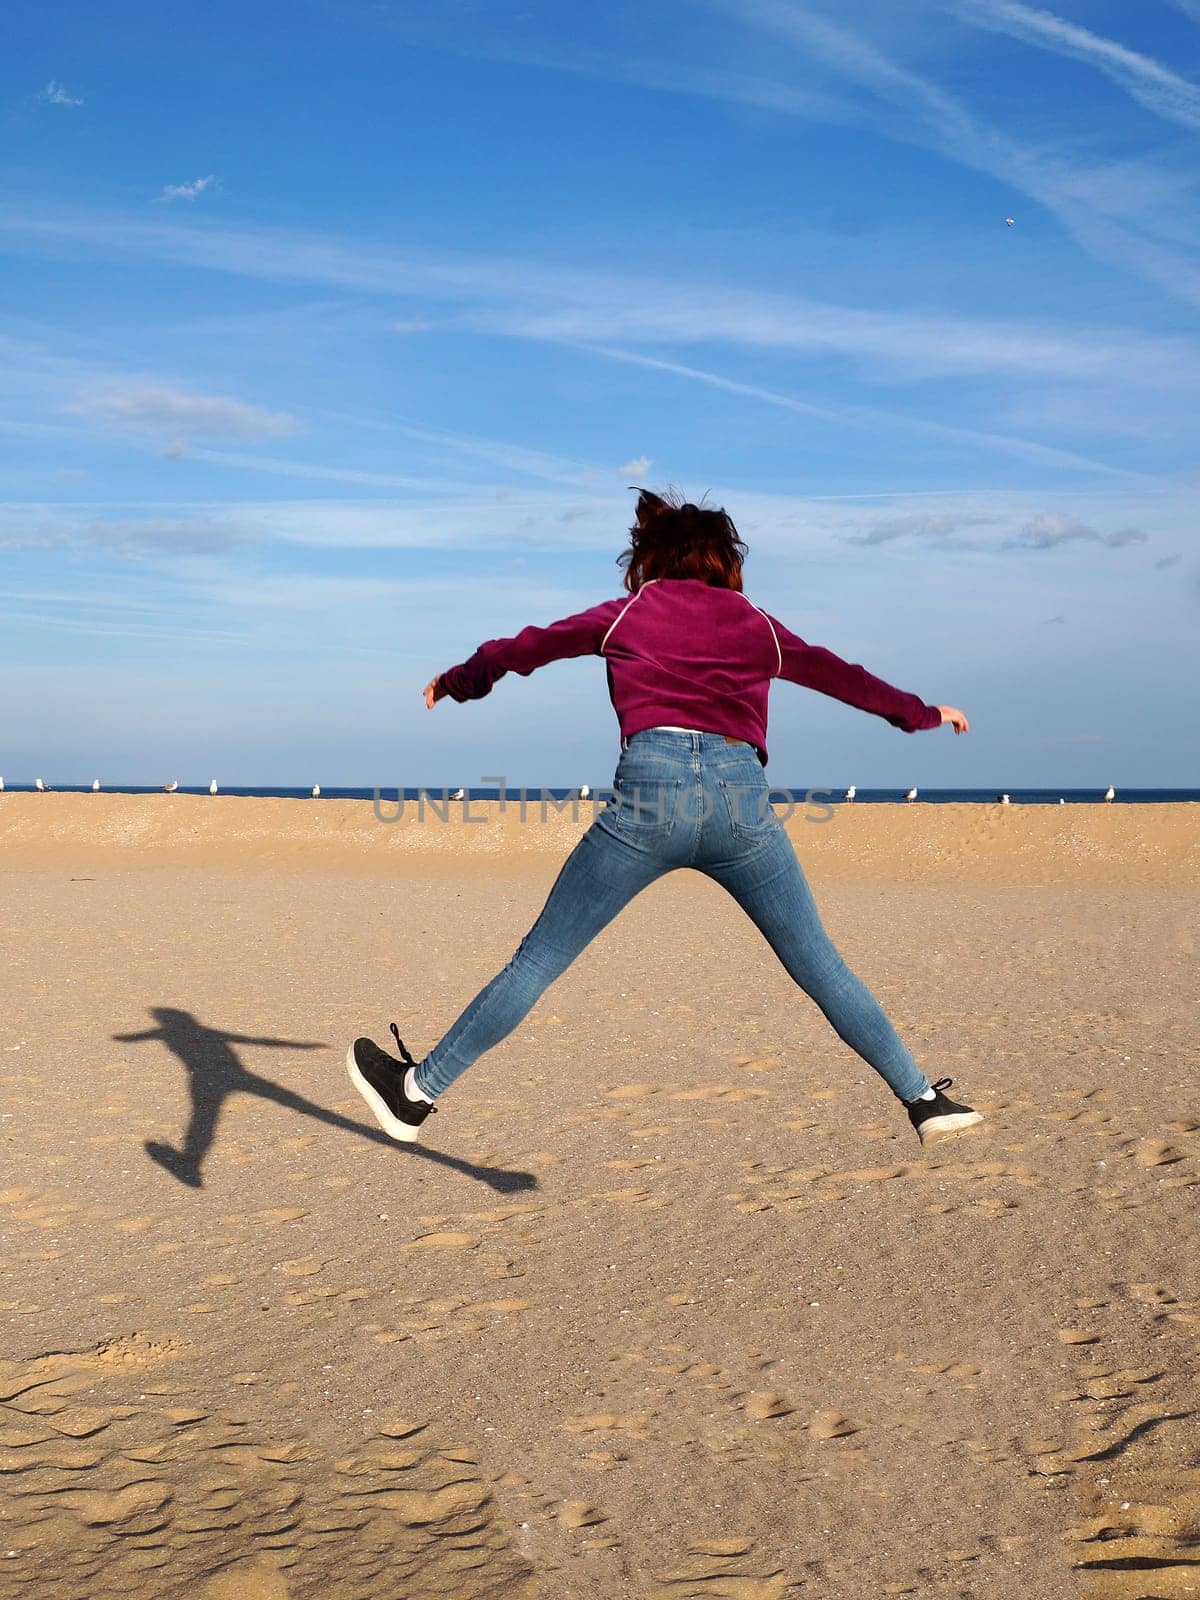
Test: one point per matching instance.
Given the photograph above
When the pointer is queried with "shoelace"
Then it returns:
(404, 1055)
(942, 1083)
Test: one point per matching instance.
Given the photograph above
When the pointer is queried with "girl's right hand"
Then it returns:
(434, 690)
(953, 715)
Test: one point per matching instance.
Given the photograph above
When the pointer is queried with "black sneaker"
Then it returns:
(379, 1078)
(940, 1117)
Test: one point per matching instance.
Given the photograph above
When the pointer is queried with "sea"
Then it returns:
(780, 794)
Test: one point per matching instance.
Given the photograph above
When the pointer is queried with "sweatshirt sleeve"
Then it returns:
(578, 635)
(813, 667)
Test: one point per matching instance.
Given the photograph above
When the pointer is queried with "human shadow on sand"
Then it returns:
(214, 1071)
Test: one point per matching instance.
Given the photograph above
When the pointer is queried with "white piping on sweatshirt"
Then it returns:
(770, 625)
(622, 612)
(749, 602)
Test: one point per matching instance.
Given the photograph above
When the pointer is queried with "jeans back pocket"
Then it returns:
(647, 799)
(748, 802)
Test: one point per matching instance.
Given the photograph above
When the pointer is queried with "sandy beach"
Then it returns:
(669, 1303)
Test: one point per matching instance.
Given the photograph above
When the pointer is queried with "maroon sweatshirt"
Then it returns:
(683, 653)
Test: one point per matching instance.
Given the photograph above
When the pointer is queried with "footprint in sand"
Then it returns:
(952, 1369)
(96, 1509)
(725, 1092)
(871, 1174)
(764, 1405)
(723, 1569)
(1155, 1153)
(246, 1580)
(580, 1514)
(1152, 1294)
(831, 1425)
(635, 1197)
(401, 1428)
(697, 1370)
(1143, 1535)
(443, 1241)
(302, 1266)
(1137, 1421)
(608, 1422)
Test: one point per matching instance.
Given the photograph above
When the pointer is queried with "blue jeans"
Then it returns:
(680, 800)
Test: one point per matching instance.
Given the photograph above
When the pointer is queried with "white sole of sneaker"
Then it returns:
(391, 1125)
(942, 1127)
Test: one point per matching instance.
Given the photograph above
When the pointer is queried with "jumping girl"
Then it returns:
(690, 660)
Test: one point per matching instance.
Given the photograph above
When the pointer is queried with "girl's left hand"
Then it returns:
(434, 691)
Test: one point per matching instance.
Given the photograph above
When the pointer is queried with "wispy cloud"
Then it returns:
(902, 344)
(169, 632)
(869, 417)
(489, 519)
(791, 529)
(513, 458)
(528, 299)
(936, 525)
(316, 470)
(659, 73)
(190, 191)
(55, 95)
(637, 468)
(1116, 212)
(140, 406)
(165, 537)
(1145, 80)
(951, 530)
(130, 538)
(1054, 528)
(522, 460)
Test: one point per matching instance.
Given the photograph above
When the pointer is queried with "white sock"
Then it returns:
(928, 1095)
(411, 1090)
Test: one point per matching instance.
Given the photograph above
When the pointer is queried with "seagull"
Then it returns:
(1, 785)
(1004, 800)
(1061, 801)
(95, 785)
(316, 791)
(584, 791)
(1010, 221)
(212, 788)
(911, 795)
(170, 788)
(40, 785)
(1110, 793)
(850, 793)
(458, 794)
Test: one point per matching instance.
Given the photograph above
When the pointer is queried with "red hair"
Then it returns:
(672, 538)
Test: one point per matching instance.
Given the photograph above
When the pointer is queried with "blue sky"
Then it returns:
(332, 333)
